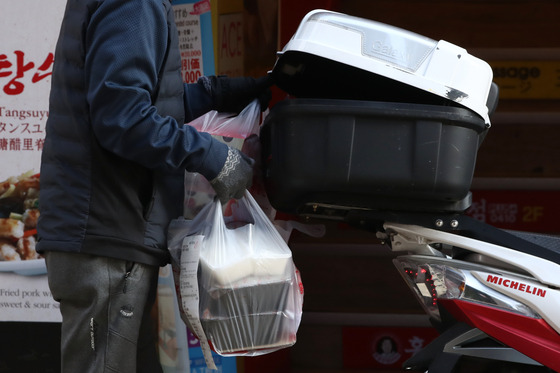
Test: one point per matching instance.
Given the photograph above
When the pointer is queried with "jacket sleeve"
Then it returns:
(197, 101)
(125, 47)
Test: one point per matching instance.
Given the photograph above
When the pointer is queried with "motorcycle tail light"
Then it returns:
(433, 278)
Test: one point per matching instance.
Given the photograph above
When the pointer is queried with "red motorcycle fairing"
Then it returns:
(530, 336)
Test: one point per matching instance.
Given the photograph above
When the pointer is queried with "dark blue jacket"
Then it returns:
(116, 147)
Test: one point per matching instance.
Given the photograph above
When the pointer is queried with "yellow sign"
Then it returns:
(227, 28)
(527, 79)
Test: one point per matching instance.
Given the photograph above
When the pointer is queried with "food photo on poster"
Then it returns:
(19, 211)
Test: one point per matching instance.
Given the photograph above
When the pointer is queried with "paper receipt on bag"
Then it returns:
(190, 253)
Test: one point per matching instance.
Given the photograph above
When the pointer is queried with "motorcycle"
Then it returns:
(492, 294)
(398, 160)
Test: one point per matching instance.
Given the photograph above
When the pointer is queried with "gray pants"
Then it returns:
(105, 305)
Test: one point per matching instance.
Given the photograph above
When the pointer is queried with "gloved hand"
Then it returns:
(236, 176)
(231, 95)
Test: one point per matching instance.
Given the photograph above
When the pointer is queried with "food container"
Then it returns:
(246, 332)
(248, 317)
(246, 299)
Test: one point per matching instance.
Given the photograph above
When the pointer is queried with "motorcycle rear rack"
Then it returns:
(543, 246)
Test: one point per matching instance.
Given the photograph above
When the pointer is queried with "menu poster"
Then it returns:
(28, 33)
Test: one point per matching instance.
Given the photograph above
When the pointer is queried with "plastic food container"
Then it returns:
(245, 299)
(245, 332)
(245, 318)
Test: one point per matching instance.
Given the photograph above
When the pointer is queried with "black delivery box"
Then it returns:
(369, 154)
(411, 152)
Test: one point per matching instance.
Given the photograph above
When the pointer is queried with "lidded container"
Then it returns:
(382, 118)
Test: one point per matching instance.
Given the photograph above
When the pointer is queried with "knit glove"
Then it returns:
(231, 95)
(235, 176)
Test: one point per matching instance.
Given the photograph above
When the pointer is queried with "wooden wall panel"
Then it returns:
(520, 150)
(469, 23)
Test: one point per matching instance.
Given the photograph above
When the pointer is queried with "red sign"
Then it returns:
(383, 347)
(14, 66)
(529, 210)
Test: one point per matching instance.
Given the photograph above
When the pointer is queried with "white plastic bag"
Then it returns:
(240, 126)
(238, 131)
(249, 290)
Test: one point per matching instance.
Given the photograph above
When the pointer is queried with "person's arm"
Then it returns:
(225, 94)
(197, 101)
(126, 43)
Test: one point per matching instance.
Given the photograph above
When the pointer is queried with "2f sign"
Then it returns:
(230, 60)
(532, 214)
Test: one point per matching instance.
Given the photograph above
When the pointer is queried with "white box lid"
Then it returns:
(440, 68)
